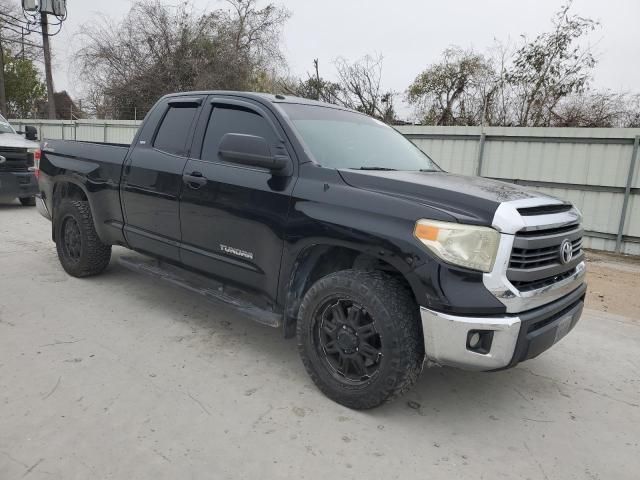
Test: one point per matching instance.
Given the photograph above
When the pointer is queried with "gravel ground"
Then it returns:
(122, 377)
(614, 284)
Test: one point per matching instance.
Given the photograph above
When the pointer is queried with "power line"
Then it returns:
(28, 44)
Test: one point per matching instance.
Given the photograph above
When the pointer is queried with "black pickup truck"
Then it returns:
(327, 224)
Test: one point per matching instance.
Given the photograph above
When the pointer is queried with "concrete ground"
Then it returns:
(121, 377)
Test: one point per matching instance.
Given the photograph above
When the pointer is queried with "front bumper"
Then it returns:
(506, 340)
(18, 185)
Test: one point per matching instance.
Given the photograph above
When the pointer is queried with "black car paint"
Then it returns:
(137, 195)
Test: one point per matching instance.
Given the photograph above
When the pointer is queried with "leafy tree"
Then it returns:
(454, 91)
(23, 86)
(551, 67)
(540, 83)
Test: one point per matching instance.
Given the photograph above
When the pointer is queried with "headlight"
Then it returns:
(465, 245)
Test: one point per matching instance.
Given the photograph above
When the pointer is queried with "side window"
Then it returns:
(233, 120)
(174, 130)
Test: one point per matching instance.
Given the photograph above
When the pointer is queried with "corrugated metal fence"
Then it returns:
(595, 168)
(107, 131)
(598, 169)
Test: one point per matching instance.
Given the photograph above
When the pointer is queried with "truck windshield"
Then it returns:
(343, 139)
(5, 127)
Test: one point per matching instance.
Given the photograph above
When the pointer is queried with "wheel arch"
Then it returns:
(65, 188)
(318, 260)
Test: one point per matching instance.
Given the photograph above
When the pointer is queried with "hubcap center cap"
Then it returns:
(347, 341)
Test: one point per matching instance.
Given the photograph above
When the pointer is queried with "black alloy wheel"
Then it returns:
(80, 250)
(72, 240)
(360, 338)
(348, 341)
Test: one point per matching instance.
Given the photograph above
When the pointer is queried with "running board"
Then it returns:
(211, 289)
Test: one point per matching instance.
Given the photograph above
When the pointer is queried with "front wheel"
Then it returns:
(359, 337)
(28, 201)
(80, 251)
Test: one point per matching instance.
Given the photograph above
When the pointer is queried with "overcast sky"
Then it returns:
(409, 34)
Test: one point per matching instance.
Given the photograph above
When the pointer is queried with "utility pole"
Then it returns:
(44, 23)
(3, 94)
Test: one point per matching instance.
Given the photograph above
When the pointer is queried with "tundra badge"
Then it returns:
(236, 251)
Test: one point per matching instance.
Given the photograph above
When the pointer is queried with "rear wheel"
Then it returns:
(80, 251)
(28, 201)
(359, 337)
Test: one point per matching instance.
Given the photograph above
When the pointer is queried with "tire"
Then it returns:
(28, 201)
(378, 350)
(80, 251)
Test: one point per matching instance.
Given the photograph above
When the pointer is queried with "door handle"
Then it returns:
(195, 180)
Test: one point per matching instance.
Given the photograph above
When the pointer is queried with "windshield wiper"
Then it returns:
(382, 169)
(428, 170)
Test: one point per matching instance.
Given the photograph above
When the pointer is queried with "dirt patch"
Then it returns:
(614, 284)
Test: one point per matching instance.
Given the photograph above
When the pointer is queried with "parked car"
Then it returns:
(17, 159)
(330, 225)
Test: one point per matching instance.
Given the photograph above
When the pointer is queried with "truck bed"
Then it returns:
(93, 167)
(110, 153)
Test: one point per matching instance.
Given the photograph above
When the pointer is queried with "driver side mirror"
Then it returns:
(253, 151)
(31, 133)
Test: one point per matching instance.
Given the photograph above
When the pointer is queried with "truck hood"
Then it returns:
(14, 140)
(469, 199)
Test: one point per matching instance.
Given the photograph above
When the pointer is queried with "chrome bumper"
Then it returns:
(42, 208)
(445, 338)
(509, 339)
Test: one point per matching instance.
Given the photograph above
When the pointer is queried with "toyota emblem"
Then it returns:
(566, 251)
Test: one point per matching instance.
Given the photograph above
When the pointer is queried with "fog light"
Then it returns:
(479, 341)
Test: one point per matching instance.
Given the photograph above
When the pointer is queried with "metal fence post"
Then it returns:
(627, 193)
(483, 137)
(105, 133)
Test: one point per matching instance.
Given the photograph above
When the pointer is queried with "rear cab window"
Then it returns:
(174, 130)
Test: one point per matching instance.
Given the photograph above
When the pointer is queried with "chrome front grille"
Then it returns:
(527, 273)
(536, 259)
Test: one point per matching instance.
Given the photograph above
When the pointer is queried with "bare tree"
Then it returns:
(314, 87)
(158, 49)
(599, 109)
(358, 86)
(361, 87)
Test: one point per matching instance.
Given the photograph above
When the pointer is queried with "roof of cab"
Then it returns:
(269, 97)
